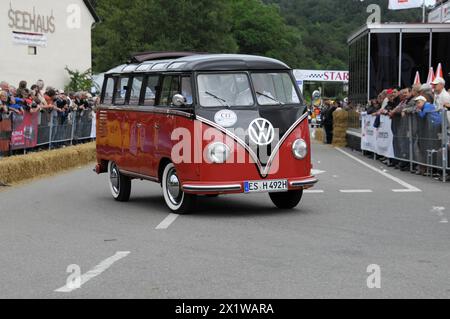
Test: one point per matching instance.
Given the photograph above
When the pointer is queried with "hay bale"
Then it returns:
(320, 135)
(24, 167)
(340, 126)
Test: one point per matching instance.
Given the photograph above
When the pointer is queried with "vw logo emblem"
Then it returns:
(261, 132)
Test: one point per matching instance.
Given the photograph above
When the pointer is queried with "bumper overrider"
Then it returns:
(238, 187)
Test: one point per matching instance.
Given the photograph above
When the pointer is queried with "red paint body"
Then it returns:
(139, 142)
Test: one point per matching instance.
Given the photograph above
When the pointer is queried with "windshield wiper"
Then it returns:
(222, 101)
(269, 97)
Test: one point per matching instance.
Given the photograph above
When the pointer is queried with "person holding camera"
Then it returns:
(62, 106)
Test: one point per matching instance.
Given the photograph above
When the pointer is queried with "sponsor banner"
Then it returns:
(5, 133)
(446, 13)
(435, 16)
(377, 140)
(24, 132)
(440, 15)
(321, 76)
(31, 39)
(405, 4)
(368, 142)
(385, 138)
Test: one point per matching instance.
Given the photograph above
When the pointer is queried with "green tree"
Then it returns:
(79, 81)
(303, 33)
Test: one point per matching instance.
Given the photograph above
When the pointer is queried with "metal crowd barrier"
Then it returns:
(354, 119)
(23, 132)
(423, 141)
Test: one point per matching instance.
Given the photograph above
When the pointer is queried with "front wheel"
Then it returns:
(287, 200)
(177, 201)
(119, 184)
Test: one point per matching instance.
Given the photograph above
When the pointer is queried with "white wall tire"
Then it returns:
(176, 200)
(119, 184)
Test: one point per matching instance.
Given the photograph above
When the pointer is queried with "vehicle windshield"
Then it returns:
(233, 90)
(225, 90)
(274, 89)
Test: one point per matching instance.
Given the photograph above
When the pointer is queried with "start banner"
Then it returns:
(378, 140)
(24, 131)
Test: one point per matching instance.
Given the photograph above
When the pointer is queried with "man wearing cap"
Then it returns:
(441, 96)
(425, 109)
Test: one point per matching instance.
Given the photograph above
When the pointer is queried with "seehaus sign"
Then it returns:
(30, 26)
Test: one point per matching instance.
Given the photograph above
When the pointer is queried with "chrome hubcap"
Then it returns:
(173, 187)
(114, 178)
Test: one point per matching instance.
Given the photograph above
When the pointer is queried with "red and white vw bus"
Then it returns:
(205, 125)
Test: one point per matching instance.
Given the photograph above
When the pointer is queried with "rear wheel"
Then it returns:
(119, 184)
(177, 201)
(287, 200)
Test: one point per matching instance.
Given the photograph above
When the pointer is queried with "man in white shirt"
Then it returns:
(441, 96)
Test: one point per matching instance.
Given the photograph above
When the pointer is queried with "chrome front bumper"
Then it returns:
(239, 188)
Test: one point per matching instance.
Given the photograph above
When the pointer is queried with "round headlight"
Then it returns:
(300, 149)
(218, 153)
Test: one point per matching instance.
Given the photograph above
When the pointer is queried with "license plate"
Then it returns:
(266, 186)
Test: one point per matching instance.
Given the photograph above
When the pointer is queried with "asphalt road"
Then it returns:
(233, 246)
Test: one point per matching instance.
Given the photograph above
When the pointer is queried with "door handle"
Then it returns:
(139, 125)
(156, 126)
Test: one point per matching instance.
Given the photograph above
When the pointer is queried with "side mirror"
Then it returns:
(178, 100)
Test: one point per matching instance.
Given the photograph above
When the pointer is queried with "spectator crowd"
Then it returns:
(37, 98)
(427, 101)
(62, 117)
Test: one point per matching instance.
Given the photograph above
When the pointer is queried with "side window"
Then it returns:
(150, 90)
(135, 93)
(170, 87)
(109, 91)
(121, 90)
(186, 89)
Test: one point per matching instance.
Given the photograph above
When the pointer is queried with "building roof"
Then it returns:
(204, 62)
(399, 27)
(92, 10)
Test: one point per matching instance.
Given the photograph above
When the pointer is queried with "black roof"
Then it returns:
(92, 10)
(204, 62)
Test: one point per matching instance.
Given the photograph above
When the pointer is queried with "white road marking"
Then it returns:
(97, 270)
(356, 191)
(316, 172)
(440, 212)
(167, 221)
(408, 187)
(314, 191)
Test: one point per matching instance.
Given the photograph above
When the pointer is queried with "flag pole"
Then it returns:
(424, 12)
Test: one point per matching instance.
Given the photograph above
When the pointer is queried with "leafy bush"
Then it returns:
(79, 81)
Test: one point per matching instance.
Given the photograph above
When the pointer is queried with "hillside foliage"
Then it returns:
(303, 33)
